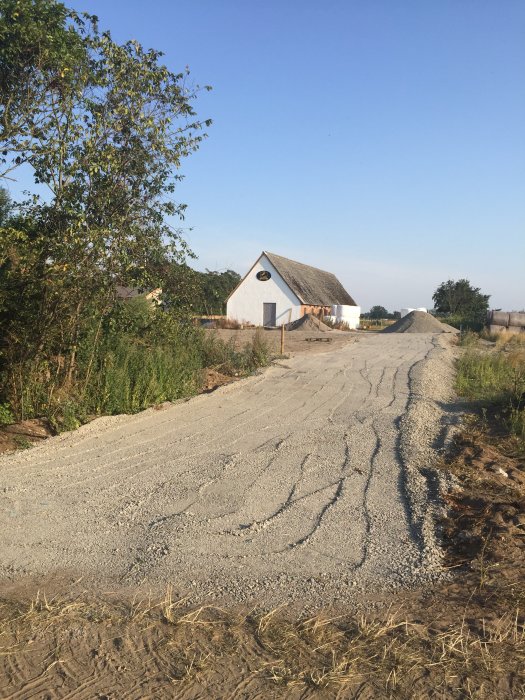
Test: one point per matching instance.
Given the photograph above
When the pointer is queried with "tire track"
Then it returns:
(296, 472)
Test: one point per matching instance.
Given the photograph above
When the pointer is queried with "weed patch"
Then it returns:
(136, 357)
(495, 379)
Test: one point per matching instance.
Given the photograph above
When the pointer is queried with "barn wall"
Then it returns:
(246, 302)
(319, 311)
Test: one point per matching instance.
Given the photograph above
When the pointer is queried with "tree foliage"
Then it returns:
(216, 287)
(460, 299)
(377, 312)
(5, 205)
(200, 292)
(104, 128)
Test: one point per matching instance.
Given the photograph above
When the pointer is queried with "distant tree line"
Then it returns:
(215, 287)
(377, 313)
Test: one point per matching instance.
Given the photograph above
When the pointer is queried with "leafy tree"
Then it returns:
(462, 300)
(377, 312)
(5, 206)
(216, 287)
(43, 53)
(181, 289)
(104, 127)
(197, 292)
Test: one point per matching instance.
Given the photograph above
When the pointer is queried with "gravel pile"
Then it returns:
(419, 322)
(308, 322)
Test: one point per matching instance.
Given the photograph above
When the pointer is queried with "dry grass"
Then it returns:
(336, 325)
(224, 322)
(387, 655)
(392, 655)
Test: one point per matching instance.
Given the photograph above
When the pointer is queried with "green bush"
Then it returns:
(131, 375)
(257, 353)
(6, 415)
(462, 323)
(146, 357)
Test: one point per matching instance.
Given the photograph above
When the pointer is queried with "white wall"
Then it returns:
(246, 302)
(405, 312)
(351, 315)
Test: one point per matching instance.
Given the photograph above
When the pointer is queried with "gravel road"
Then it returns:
(301, 483)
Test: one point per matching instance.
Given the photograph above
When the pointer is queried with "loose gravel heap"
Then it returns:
(308, 322)
(302, 484)
(419, 322)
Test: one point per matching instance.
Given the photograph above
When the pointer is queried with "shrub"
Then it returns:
(6, 415)
(219, 354)
(224, 355)
(258, 351)
(336, 325)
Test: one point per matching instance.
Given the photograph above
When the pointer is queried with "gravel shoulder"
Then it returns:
(303, 483)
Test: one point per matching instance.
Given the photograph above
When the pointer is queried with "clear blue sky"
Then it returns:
(383, 140)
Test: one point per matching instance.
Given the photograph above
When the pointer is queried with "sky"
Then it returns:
(381, 140)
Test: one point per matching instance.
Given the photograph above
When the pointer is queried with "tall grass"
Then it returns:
(496, 377)
(131, 375)
(228, 358)
(137, 357)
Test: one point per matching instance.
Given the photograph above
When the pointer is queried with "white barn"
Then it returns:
(277, 290)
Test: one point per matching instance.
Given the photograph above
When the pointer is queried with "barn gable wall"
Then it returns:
(246, 302)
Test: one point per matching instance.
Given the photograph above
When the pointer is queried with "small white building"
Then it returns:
(405, 312)
(277, 290)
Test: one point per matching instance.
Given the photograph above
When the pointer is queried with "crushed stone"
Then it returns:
(419, 322)
(304, 484)
(308, 322)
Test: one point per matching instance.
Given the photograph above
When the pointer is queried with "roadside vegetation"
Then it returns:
(142, 357)
(336, 325)
(103, 128)
(492, 373)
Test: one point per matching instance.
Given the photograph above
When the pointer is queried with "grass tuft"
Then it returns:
(496, 379)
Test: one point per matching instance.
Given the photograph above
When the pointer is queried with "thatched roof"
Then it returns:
(311, 285)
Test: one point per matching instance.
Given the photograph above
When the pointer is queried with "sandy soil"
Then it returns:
(298, 341)
(297, 484)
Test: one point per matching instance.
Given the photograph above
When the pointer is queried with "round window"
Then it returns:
(263, 275)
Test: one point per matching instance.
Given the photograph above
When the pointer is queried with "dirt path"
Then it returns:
(298, 484)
